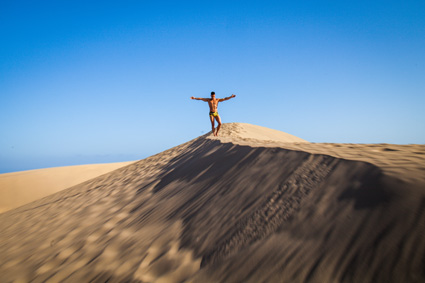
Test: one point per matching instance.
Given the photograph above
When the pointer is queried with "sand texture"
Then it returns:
(237, 208)
(19, 188)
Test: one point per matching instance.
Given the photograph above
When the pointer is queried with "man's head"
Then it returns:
(212, 94)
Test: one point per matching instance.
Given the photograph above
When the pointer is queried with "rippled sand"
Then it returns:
(237, 208)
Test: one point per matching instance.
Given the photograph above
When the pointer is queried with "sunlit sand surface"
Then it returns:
(252, 205)
(19, 188)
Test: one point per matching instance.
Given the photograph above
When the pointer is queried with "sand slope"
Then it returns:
(234, 132)
(215, 211)
(19, 188)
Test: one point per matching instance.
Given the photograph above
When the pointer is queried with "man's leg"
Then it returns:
(212, 124)
(219, 124)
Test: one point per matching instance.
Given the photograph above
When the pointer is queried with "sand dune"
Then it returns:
(234, 132)
(19, 188)
(231, 209)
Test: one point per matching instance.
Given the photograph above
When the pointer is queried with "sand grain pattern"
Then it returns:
(236, 208)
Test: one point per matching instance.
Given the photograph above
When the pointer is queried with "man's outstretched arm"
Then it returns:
(227, 98)
(203, 99)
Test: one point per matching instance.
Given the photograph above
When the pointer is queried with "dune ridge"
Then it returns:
(212, 210)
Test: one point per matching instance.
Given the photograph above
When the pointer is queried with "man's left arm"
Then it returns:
(227, 98)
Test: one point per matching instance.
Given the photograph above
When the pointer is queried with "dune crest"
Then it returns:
(215, 211)
(234, 132)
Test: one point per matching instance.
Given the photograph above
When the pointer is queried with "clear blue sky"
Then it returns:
(102, 81)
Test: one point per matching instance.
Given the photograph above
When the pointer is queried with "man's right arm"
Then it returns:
(203, 99)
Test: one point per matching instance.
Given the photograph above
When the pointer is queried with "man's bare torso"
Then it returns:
(213, 104)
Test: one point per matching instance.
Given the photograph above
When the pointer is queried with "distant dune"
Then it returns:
(19, 188)
(252, 205)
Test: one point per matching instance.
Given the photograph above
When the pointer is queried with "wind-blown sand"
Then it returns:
(237, 208)
(19, 188)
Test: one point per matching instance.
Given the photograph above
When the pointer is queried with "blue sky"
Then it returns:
(91, 82)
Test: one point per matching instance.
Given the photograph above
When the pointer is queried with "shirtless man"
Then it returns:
(213, 104)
